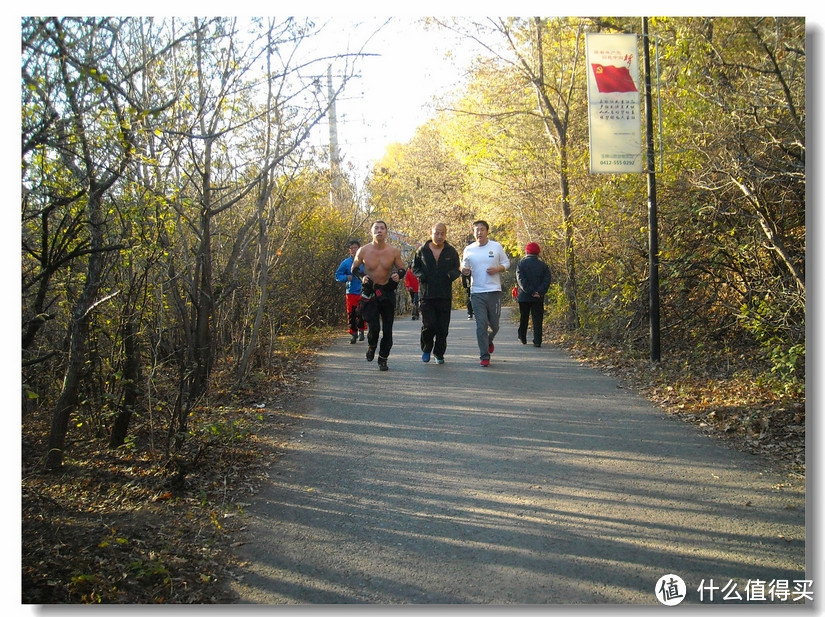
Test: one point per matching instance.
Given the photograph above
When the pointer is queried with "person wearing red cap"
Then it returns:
(533, 281)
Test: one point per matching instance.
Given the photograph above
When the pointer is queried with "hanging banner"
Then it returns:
(614, 103)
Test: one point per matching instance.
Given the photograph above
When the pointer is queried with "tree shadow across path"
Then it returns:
(534, 481)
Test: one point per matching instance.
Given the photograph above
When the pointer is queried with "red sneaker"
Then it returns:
(491, 348)
(485, 362)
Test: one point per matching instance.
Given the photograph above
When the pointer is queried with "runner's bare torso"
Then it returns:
(381, 260)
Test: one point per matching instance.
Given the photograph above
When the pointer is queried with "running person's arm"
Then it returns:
(398, 262)
(356, 266)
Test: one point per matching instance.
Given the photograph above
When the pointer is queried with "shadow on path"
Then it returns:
(533, 481)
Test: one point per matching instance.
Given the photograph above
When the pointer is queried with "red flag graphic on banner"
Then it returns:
(613, 78)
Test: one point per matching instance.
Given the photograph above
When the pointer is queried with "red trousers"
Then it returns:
(354, 321)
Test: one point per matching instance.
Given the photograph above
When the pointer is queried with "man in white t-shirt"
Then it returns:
(484, 260)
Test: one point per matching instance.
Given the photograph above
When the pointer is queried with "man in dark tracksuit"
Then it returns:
(436, 264)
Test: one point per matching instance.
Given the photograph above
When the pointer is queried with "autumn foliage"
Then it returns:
(178, 239)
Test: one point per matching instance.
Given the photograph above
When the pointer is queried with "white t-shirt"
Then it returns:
(478, 259)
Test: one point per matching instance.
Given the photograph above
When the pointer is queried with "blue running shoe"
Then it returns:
(425, 357)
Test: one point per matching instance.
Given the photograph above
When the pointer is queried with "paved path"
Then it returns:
(534, 481)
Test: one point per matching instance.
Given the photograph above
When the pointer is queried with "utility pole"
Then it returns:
(336, 179)
(652, 215)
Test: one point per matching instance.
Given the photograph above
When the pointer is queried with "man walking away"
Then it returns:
(533, 281)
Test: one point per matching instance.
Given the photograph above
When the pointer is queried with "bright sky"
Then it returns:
(395, 90)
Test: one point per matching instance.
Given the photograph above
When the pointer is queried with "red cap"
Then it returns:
(532, 248)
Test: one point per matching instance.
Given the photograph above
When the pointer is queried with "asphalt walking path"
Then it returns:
(536, 480)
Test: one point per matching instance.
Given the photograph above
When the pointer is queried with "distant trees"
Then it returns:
(166, 176)
(419, 184)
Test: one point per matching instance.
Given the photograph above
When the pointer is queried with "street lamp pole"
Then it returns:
(652, 215)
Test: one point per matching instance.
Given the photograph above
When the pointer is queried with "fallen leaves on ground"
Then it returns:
(137, 525)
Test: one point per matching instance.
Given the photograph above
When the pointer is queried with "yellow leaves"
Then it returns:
(29, 393)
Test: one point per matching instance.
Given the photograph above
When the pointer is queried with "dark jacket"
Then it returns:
(532, 275)
(436, 278)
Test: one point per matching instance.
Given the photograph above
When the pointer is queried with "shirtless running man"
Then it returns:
(383, 269)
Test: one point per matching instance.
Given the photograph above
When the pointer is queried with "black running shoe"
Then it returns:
(370, 353)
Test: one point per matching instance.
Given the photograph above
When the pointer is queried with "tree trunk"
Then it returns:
(78, 339)
(263, 287)
(131, 376)
(768, 228)
(556, 124)
(203, 313)
(569, 253)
